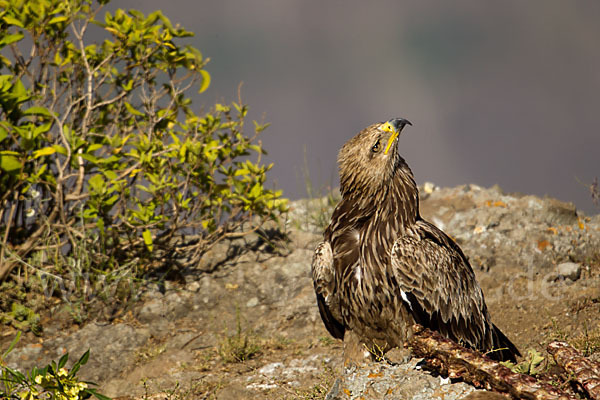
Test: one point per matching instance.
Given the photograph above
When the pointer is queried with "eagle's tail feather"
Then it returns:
(504, 349)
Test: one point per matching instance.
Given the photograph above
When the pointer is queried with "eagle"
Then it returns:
(382, 268)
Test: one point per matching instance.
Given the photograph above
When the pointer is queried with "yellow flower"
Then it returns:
(63, 372)
(72, 392)
(28, 395)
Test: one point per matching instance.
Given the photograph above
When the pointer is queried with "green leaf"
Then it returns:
(60, 149)
(57, 58)
(205, 81)
(132, 110)
(12, 345)
(241, 171)
(128, 86)
(9, 163)
(3, 133)
(260, 127)
(82, 361)
(97, 183)
(112, 200)
(89, 157)
(147, 235)
(18, 375)
(12, 21)
(98, 395)
(8, 39)
(46, 151)
(256, 190)
(37, 110)
(40, 171)
(20, 92)
(63, 360)
(94, 147)
(112, 175)
(5, 61)
(60, 18)
(38, 130)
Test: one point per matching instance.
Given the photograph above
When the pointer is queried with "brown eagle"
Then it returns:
(382, 267)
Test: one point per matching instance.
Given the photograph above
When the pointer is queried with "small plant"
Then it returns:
(319, 390)
(319, 207)
(197, 389)
(595, 192)
(54, 381)
(150, 352)
(326, 340)
(588, 342)
(532, 365)
(278, 342)
(557, 332)
(23, 318)
(321, 215)
(240, 346)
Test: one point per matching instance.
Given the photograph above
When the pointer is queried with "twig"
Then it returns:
(3, 268)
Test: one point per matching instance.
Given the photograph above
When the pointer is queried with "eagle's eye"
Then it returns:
(375, 147)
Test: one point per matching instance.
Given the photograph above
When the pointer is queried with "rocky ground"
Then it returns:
(245, 323)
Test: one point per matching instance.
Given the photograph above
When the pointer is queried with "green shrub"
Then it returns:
(99, 142)
(54, 381)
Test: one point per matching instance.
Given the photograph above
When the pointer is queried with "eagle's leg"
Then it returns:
(356, 351)
(360, 351)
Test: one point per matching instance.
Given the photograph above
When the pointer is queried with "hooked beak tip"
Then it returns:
(399, 123)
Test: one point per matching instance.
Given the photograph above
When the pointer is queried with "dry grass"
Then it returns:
(588, 342)
(319, 390)
(239, 347)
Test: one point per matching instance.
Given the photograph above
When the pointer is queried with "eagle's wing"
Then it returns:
(439, 286)
(323, 275)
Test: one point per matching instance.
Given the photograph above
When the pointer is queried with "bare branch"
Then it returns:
(585, 371)
(456, 361)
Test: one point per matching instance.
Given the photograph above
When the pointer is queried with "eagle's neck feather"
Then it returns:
(379, 216)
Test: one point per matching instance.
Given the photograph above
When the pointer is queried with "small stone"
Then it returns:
(253, 302)
(193, 286)
(398, 356)
(152, 310)
(428, 187)
(479, 229)
(271, 369)
(569, 270)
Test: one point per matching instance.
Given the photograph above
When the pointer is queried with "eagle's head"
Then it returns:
(368, 160)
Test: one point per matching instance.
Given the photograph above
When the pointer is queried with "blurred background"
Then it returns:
(503, 93)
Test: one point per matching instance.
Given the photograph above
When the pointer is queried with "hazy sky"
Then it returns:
(501, 93)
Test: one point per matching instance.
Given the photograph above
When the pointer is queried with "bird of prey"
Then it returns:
(381, 267)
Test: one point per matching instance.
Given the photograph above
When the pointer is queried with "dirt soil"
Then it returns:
(244, 324)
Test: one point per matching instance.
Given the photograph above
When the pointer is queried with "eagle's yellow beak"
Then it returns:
(387, 127)
(394, 126)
